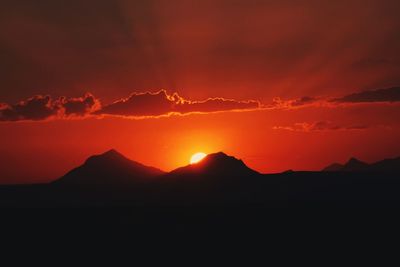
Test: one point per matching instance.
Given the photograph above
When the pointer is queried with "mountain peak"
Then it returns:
(217, 164)
(111, 151)
(109, 168)
(355, 165)
(354, 160)
(220, 158)
(110, 155)
(217, 156)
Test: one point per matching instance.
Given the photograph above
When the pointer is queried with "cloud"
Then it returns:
(318, 126)
(44, 107)
(150, 105)
(137, 105)
(379, 95)
(278, 103)
(161, 103)
(388, 95)
(79, 106)
(34, 108)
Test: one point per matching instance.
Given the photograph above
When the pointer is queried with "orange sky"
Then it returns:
(217, 55)
(39, 151)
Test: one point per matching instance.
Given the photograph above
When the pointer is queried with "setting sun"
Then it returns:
(197, 157)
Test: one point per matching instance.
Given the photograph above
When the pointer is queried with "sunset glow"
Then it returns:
(280, 84)
(196, 158)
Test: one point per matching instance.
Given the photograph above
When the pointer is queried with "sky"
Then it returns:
(280, 84)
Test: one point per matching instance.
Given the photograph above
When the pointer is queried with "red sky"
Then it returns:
(228, 60)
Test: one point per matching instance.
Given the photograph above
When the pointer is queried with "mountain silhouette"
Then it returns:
(216, 164)
(112, 178)
(219, 180)
(109, 168)
(355, 165)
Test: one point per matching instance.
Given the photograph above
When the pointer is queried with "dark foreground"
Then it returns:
(199, 235)
(280, 206)
(287, 190)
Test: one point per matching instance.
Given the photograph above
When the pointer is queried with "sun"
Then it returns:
(196, 158)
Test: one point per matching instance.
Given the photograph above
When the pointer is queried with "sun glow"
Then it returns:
(196, 158)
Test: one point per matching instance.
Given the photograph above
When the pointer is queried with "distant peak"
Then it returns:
(112, 152)
(219, 156)
(353, 160)
(356, 165)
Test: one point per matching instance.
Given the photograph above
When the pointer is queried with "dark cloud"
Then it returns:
(319, 126)
(142, 104)
(79, 106)
(161, 103)
(44, 107)
(389, 95)
(34, 108)
(379, 95)
(137, 105)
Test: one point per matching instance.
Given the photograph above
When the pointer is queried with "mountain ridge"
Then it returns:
(356, 165)
(112, 168)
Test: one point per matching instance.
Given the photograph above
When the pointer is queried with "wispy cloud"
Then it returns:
(306, 101)
(319, 126)
(161, 103)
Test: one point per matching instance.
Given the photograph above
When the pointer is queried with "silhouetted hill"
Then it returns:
(112, 180)
(355, 165)
(217, 164)
(218, 179)
(109, 168)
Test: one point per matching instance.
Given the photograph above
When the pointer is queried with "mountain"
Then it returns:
(219, 180)
(112, 178)
(355, 165)
(217, 164)
(109, 168)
